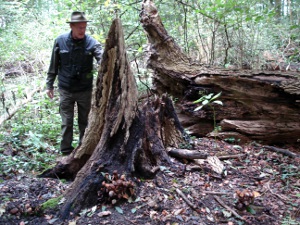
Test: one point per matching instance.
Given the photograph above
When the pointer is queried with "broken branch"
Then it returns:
(224, 157)
(282, 151)
(180, 193)
(220, 201)
(186, 154)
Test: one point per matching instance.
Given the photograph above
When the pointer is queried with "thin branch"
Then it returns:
(18, 106)
(220, 201)
(282, 151)
(224, 157)
(215, 193)
(128, 36)
(180, 193)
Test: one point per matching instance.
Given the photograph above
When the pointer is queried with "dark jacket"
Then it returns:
(72, 61)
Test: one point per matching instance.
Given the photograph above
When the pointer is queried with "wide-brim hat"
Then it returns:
(78, 17)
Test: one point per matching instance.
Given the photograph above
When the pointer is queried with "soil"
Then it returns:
(258, 186)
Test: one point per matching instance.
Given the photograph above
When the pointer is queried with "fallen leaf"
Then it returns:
(210, 217)
(237, 147)
(178, 211)
(256, 194)
(153, 214)
(52, 221)
(104, 213)
(133, 210)
(119, 210)
(250, 210)
(48, 217)
(226, 213)
(2, 209)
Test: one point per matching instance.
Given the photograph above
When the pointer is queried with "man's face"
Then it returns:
(78, 30)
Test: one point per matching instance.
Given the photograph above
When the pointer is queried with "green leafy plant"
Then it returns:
(29, 140)
(232, 140)
(210, 100)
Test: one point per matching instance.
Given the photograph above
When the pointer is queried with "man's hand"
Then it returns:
(50, 93)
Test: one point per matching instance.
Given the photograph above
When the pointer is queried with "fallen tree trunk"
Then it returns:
(257, 105)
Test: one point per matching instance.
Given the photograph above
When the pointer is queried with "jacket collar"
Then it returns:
(74, 40)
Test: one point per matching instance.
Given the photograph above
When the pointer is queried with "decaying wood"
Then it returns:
(211, 164)
(186, 154)
(196, 154)
(123, 135)
(259, 105)
(216, 164)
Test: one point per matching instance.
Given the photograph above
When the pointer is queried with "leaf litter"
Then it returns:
(257, 186)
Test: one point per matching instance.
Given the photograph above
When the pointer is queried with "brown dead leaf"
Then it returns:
(104, 213)
(255, 194)
(164, 213)
(178, 211)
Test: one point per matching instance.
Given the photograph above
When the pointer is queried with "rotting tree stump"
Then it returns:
(123, 135)
(257, 105)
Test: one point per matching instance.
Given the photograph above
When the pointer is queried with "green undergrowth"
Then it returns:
(29, 140)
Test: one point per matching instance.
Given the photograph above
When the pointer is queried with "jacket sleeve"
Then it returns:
(98, 51)
(53, 67)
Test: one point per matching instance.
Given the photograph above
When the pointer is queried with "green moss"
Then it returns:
(51, 203)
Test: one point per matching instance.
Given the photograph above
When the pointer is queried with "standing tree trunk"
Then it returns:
(122, 137)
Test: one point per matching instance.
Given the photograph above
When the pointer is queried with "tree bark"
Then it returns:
(257, 105)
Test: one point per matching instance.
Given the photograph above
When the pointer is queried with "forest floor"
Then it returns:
(256, 186)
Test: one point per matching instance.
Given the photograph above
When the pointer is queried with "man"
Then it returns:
(72, 61)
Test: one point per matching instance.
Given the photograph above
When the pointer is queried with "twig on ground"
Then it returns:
(180, 193)
(130, 221)
(224, 157)
(282, 151)
(215, 193)
(283, 199)
(220, 201)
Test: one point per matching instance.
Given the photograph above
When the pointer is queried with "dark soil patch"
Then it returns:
(272, 177)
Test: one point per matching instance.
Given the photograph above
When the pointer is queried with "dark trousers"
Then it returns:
(66, 110)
